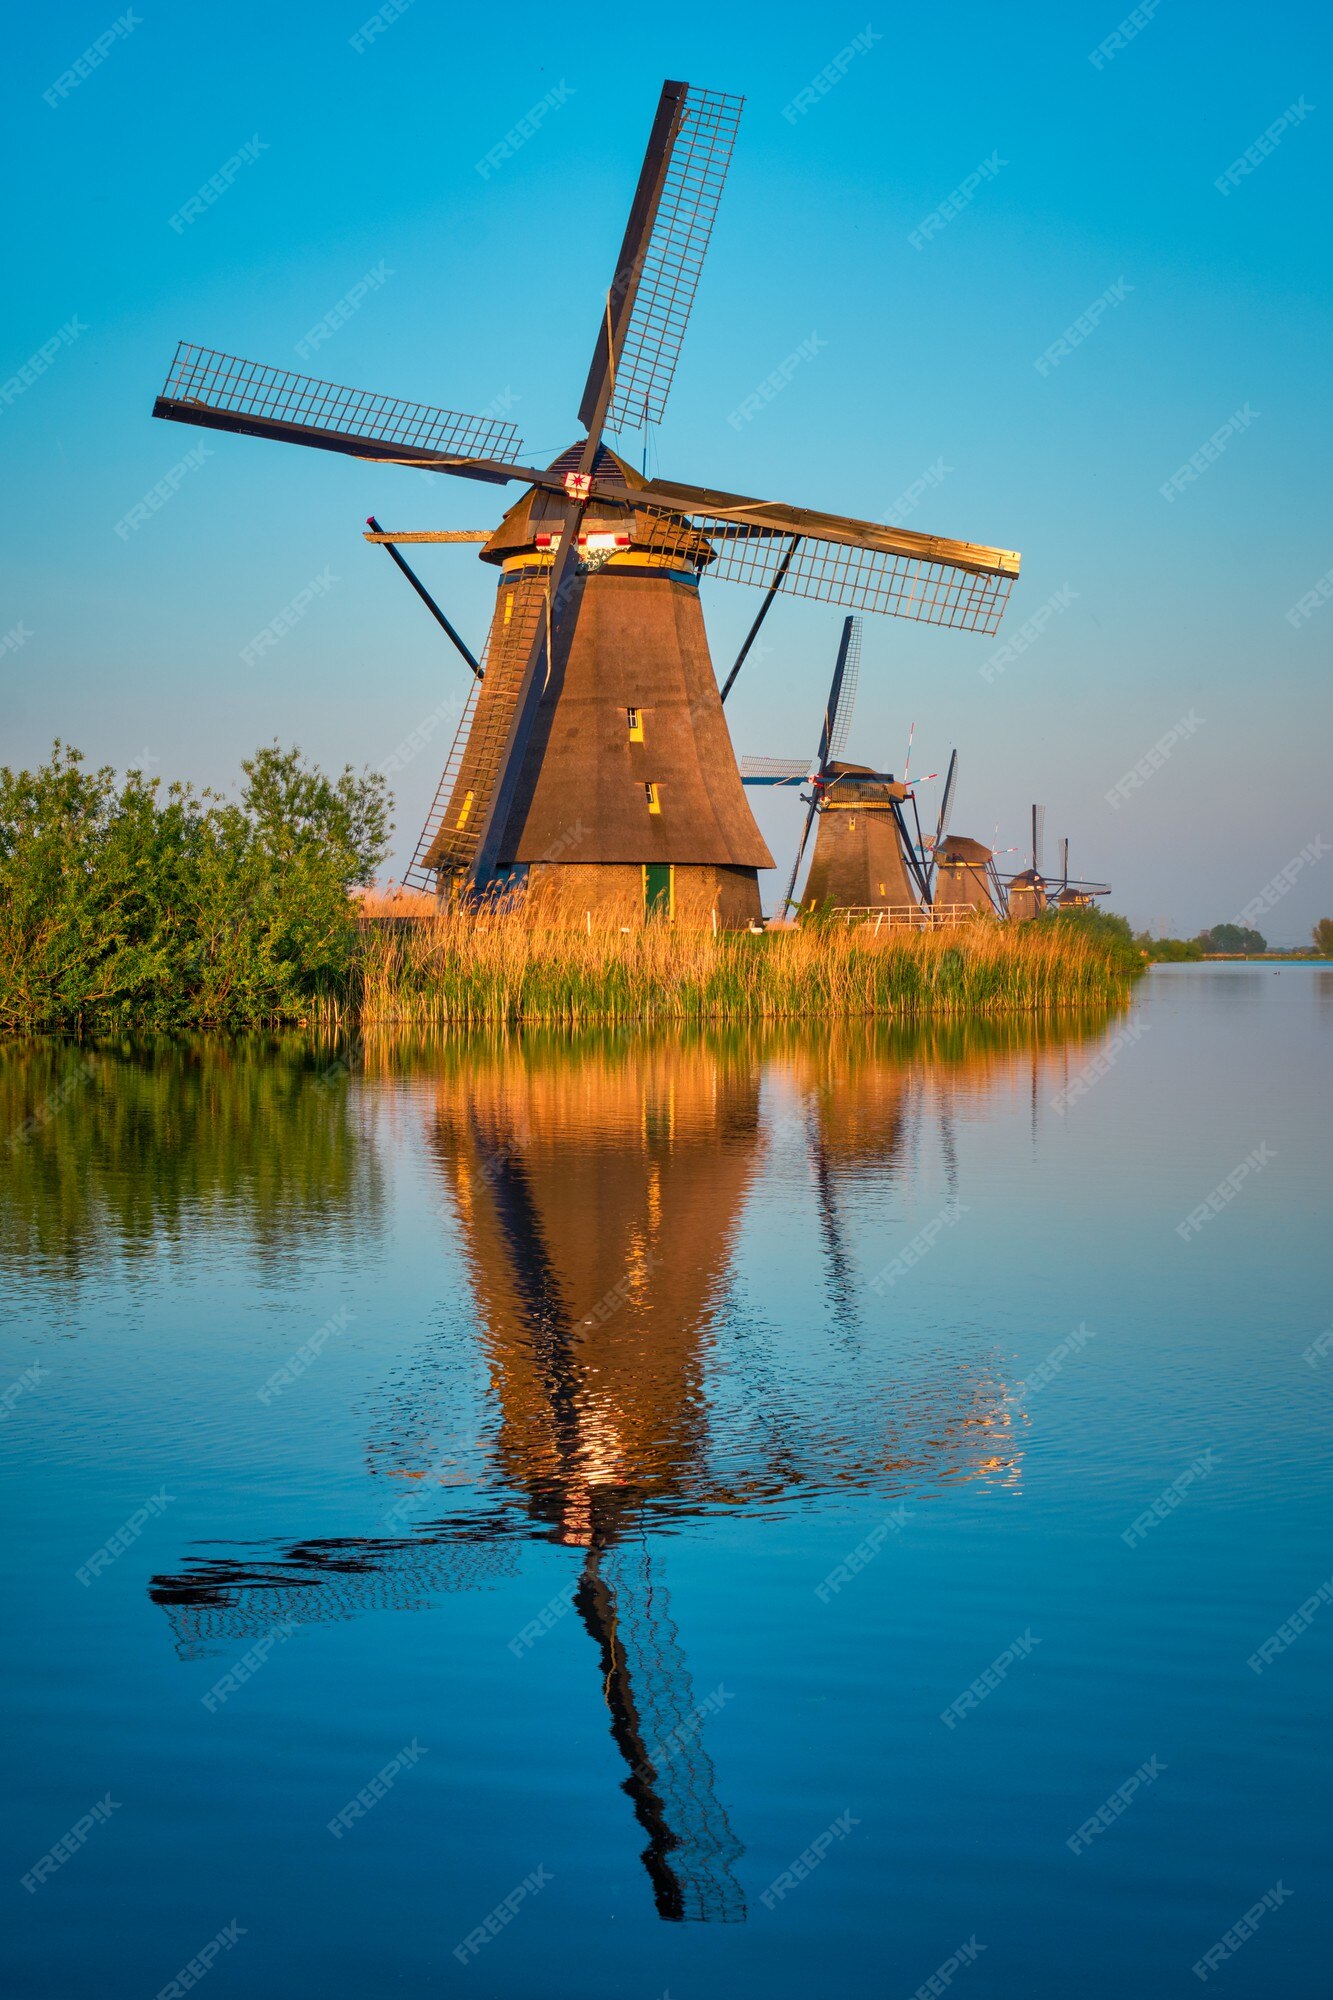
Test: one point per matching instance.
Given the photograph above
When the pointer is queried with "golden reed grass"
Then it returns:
(451, 968)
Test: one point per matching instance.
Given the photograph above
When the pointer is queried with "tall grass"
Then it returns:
(452, 968)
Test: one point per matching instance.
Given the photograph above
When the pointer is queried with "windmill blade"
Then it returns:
(1038, 831)
(911, 849)
(657, 272)
(1064, 872)
(221, 392)
(774, 770)
(515, 717)
(946, 803)
(847, 692)
(829, 730)
(826, 735)
(861, 565)
(907, 760)
(649, 303)
(790, 896)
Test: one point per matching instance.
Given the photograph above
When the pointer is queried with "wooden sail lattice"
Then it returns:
(686, 213)
(928, 588)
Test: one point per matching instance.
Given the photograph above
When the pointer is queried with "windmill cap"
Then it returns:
(539, 513)
(864, 780)
(959, 848)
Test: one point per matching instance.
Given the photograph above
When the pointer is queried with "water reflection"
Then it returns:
(124, 1149)
(598, 1187)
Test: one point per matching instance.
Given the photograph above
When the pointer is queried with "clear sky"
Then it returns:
(1095, 180)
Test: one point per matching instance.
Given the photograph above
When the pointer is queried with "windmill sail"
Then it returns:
(842, 724)
(774, 770)
(942, 823)
(224, 393)
(837, 559)
(691, 192)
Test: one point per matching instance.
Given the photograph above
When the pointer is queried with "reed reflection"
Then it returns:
(599, 1187)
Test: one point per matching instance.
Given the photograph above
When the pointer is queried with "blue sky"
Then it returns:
(1101, 185)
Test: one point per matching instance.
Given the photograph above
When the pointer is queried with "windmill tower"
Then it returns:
(593, 761)
(865, 857)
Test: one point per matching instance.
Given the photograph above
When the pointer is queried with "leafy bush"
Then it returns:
(1170, 951)
(124, 904)
(1323, 937)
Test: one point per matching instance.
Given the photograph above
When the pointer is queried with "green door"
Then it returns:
(657, 889)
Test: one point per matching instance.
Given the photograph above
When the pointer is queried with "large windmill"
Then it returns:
(593, 757)
(866, 857)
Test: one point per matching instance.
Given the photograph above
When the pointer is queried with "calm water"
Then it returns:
(674, 1499)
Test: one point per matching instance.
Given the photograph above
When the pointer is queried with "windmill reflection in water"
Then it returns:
(598, 1192)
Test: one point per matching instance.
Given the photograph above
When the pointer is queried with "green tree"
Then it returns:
(1231, 938)
(1323, 937)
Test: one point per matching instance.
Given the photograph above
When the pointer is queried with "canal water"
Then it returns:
(813, 1511)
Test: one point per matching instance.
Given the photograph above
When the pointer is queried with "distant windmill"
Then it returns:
(865, 856)
(963, 877)
(1075, 895)
(593, 758)
(1027, 893)
(963, 874)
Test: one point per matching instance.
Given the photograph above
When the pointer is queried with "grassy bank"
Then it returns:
(451, 969)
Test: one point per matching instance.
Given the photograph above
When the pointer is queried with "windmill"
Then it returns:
(865, 856)
(1075, 895)
(962, 871)
(963, 876)
(593, 758)
(1027, 894)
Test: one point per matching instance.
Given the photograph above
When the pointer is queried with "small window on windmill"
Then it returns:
(634, 717)
(654, 803)
(851, 824)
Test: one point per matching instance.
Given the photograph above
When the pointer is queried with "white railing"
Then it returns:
(902, 916)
